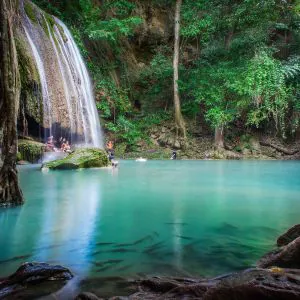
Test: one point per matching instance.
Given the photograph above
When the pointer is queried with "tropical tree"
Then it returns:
(10, 192)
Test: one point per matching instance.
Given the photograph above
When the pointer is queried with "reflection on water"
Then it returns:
(173, 217)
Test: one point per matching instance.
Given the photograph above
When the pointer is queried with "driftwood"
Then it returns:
(279, 148)
(31, 274)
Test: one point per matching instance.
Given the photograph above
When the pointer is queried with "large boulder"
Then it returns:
(29, 275)
(289, 236)
(287, 256)
(80, 158)
(30, 150)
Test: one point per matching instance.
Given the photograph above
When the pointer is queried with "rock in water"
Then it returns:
(32, 273)
(255, 284)
(286, 257)
(80, 158)
(29, 150)
(87, 296)
(289, 236)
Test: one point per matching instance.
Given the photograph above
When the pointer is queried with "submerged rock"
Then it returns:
(80, 158)
(30, 274)
(289, 236)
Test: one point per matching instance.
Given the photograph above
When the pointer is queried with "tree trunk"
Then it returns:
(179, 122)
(219, 137)
(10, 193)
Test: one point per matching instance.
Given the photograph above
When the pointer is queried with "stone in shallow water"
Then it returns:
(80, 158)
(286, 257)
(31, 274)
(289, 236)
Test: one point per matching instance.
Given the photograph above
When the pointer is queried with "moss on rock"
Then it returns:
(30, 12)
(31, 98)
(81, 158)
(31, 151)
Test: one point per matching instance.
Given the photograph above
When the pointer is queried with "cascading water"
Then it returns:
(43, 81)
(69, 106)
(88, 111)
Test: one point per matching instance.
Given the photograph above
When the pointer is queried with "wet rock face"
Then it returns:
(287, 257)
(81, 158)
(32, 273)
(289, 236)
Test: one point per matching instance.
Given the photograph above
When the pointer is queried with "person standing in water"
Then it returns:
(174, 155)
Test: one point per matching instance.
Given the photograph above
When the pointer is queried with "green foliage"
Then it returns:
(113, 29)
(239, 62)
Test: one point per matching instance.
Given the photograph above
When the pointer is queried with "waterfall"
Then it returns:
(69, 105)
(84, 87)
(43, 82)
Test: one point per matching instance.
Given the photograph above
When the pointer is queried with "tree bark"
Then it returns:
(10, 192)
(219, 137)
(179, 121)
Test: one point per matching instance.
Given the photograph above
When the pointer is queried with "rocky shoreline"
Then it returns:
(277, 276)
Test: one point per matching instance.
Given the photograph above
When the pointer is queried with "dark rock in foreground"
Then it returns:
(30, 274)
(257, 284)
(80, 158)
(289, 236)
(87, 296)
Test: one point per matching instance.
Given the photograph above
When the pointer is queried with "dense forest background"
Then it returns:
(239, 71)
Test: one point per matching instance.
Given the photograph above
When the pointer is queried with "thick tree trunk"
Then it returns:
(10, 193)
(219, 137)
(179, 122)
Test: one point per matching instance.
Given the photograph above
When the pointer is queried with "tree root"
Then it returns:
(10, 192)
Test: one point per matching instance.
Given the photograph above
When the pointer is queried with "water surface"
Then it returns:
(159, 217)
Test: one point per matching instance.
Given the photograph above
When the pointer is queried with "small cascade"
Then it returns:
(69, 105)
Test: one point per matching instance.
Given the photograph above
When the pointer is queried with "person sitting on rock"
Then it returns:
(67, 147)
(63, 145)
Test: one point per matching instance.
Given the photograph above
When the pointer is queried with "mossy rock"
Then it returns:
(80, 158)
(31, 151)
(30, 11)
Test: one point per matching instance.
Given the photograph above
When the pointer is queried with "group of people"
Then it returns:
(62, 145)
